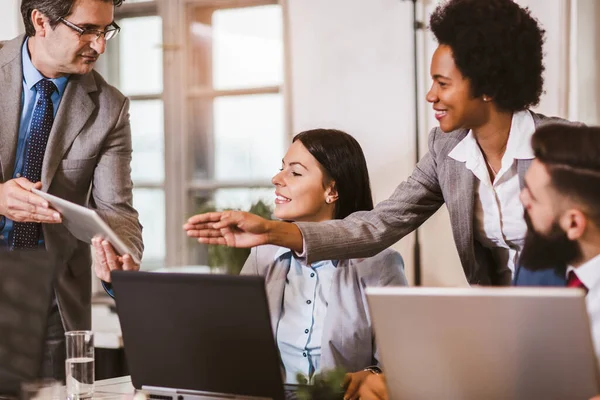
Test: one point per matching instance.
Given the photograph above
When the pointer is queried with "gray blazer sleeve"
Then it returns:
(366, 233)
(112, 186)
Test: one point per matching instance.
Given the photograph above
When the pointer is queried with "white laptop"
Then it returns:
(484, 343)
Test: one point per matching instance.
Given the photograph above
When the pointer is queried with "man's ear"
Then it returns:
(574, 223)
(40, 22)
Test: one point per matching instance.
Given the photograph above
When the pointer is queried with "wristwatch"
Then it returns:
(373, 369)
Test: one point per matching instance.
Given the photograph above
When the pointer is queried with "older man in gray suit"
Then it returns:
(66, 131)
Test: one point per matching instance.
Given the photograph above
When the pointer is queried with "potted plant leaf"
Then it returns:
(232, 259)
(327, 385)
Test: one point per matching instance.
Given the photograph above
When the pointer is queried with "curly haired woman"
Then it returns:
(486, 73)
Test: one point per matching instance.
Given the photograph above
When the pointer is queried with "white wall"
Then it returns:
(554, 15)
(439, 258)
(10, 19)
(585, 51)
(352, 69)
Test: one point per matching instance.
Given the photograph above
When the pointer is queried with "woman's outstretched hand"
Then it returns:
(231, 228)
(242, 229)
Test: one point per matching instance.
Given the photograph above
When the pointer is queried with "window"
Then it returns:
(235, 102)
(134, 65)
(205, 79)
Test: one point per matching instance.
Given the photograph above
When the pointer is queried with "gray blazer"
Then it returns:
(347, 340)
(87, 161)
(437, 179)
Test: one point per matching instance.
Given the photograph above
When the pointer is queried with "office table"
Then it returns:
(114, 389)
(108, 341)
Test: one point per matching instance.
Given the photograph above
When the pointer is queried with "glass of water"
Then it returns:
(79, 366)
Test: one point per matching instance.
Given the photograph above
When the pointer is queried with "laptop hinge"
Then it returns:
(162, 393)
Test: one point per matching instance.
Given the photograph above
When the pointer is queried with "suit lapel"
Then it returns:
(275, 285)
(11, 87)
(459, 192)
(464, 204)
(522, 167)
(75, 109)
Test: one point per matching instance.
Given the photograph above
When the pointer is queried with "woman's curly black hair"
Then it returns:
(497, 45)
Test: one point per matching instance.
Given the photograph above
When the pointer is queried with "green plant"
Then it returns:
(327, 385)
(231, 258)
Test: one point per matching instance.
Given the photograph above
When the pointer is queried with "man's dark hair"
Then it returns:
(571, 155)
(343, 160)
(497, 45)
(53, 9)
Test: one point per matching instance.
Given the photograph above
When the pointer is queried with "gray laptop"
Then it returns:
(26, 287)
(190, 336)
(484, 343)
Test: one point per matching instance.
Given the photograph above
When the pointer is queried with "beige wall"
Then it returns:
(10, 19)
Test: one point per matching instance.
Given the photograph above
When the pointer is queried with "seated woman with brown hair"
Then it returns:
(319, 311)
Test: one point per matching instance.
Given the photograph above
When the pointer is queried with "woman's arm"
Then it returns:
(242, 229)
(362, 234)
(366, 233)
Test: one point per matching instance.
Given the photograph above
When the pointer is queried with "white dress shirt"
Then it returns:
(589, 274)
(300, 327)
(498, 213)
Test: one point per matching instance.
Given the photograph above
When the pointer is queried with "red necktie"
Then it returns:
(574, 282)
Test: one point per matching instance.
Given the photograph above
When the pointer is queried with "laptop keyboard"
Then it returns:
(159, 397)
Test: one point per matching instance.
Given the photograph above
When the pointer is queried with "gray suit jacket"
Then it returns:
(87, 161)
(437, 179)
(347, 340)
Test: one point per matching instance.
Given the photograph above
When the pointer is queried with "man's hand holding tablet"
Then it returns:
(86, 225)
(107, 259)
(18, 203)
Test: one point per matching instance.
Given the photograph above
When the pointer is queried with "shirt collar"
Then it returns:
(31, 76)
(518, 146)
(282, 251)
(522, 128)
(588, 272)
(464, 149)
(288, 253)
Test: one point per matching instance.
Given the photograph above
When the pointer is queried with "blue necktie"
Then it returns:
(26, 235)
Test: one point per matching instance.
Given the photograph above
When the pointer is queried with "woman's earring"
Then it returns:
(486, 99)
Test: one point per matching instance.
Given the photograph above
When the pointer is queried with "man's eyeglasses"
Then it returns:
(93, 34)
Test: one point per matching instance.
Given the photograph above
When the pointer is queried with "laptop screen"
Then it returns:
(200, 332)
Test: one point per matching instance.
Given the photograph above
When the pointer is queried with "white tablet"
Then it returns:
(84, 223)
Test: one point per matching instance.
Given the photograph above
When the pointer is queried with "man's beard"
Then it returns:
(553, 250)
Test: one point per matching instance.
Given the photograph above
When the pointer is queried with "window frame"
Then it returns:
(137, 10)
(194, 188)
(179, 187)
